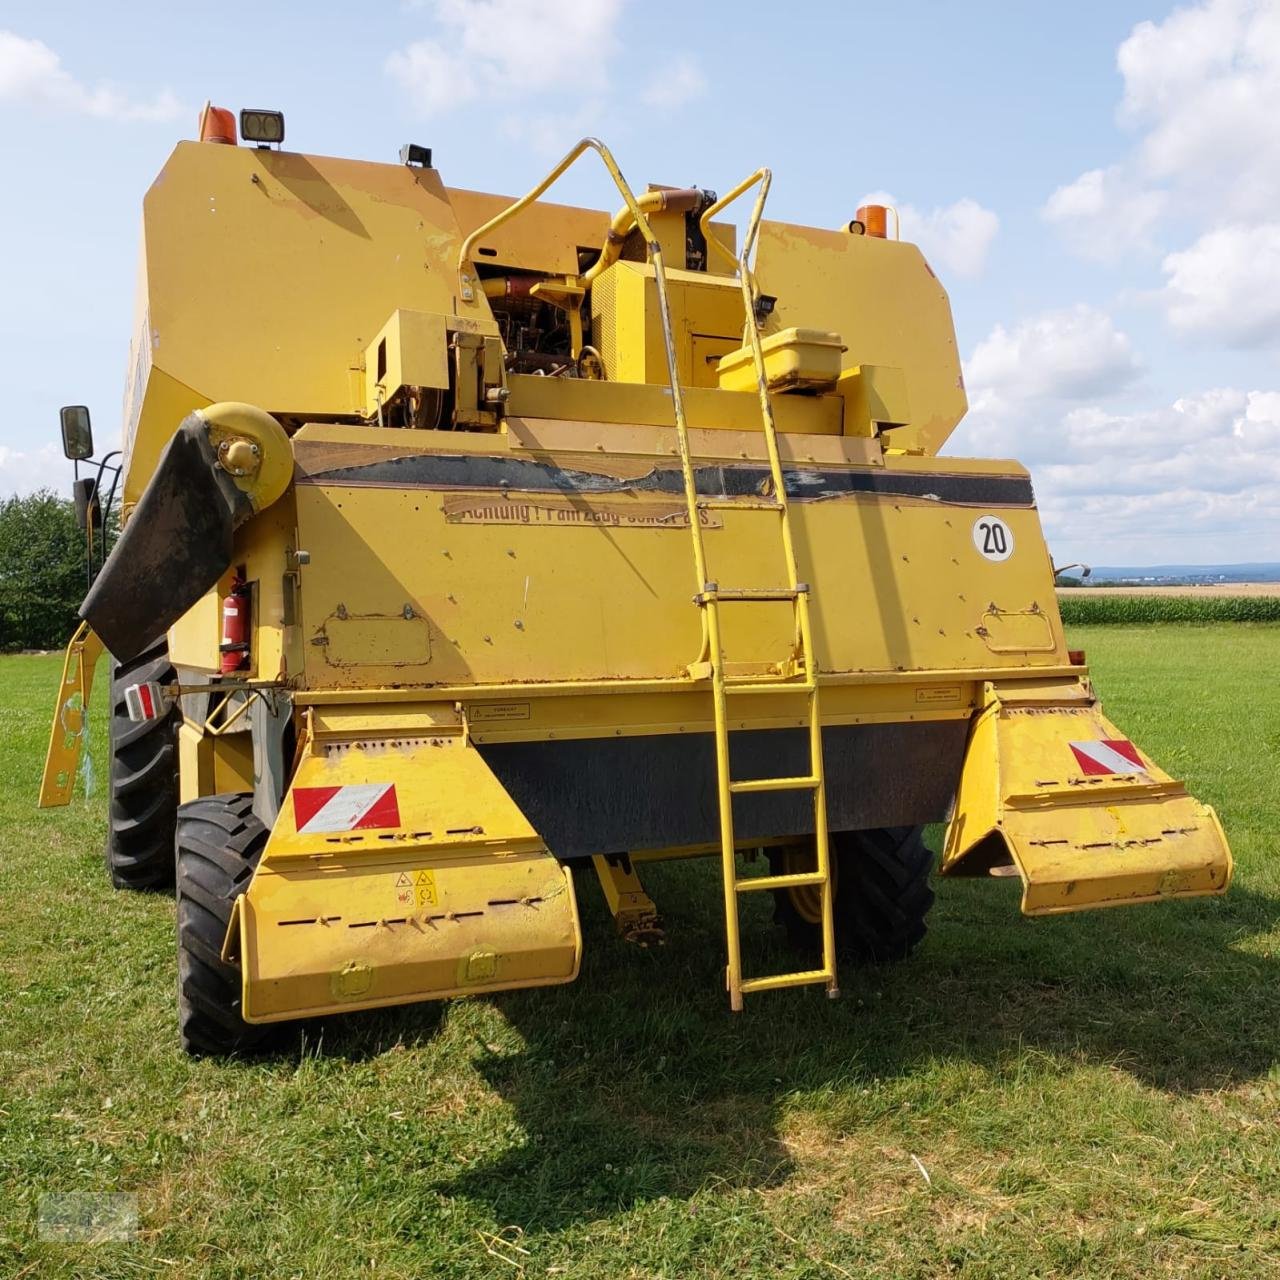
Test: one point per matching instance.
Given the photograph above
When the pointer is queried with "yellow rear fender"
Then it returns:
(399, 870)
(1053, 790)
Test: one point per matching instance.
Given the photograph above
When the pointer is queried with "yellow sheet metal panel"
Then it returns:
(546, 435)
(267, 273)
(580, 400)
(232, 758)
(882, 298)
(545, 238)
(875, 396)
(568, 566)
(195, 637)
(627, 331)
(399, 870)
(474, 926)
(195, 763)
(162, 403)
(411, 350)
(1087, 819)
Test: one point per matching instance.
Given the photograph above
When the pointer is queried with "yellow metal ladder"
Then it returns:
(799, 674)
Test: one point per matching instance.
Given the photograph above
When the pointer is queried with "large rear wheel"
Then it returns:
(219, 844)
(882, 894)
(143, 802)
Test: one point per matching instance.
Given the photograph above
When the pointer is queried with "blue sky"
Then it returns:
(1097, 189)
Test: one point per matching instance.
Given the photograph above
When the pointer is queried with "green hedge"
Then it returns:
(1114, 606)
(42, 571)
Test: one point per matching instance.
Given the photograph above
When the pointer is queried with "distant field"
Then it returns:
(1216, 589)
(1119, 606)
(1085, 1096)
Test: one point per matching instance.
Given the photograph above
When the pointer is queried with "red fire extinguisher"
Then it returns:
(235, 628)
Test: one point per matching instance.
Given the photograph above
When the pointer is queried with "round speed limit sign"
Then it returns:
(993, 538)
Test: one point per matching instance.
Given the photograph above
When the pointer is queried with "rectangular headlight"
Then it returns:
(262, 127)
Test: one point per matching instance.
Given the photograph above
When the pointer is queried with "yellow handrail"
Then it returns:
(467, 287)
(762, 176)
(803, 651)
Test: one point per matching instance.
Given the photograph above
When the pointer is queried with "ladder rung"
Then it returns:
(752, 593)
(775, 784)
(747, 686)
(793, 880)
(777, 980)
(738, 504)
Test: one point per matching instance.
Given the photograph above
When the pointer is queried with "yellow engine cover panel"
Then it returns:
(1087, 818)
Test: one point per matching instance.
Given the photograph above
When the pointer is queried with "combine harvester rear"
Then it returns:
(472, 543)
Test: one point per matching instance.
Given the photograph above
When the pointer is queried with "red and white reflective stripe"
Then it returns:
(1108, 755)
(146, 701)
(360, 807)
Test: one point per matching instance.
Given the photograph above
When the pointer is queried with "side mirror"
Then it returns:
(77, 434)
(88, 508)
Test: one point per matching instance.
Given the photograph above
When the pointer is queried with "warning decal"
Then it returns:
(366, 806)
(1108, 755)
(416, 889)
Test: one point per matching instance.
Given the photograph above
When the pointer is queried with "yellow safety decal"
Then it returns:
(939, 693)
(498, 711)
(416, 888)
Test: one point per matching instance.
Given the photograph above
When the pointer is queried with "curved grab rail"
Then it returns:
(467, 283)
(467, 280)
(765, 178)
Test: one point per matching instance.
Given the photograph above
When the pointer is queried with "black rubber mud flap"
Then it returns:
(176, 545)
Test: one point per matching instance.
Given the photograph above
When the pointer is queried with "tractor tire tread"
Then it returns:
(882, 896)
(143, 780)
(219, 843)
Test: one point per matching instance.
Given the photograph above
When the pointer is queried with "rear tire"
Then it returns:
(143, 801)
(882, 895)
(219, 844)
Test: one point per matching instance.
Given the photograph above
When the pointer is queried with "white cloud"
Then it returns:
(552, 133)
(955, 237)
(24, 472)
(1227, 284)
(506, 50)
(1197, 480)
(1202, 92)
(1205, 86)
(1194, 480)
(1057, 357)
(1104, 214)
(32, 75)
(679, 82)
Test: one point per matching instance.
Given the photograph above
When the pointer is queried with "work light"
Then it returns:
(262, 127)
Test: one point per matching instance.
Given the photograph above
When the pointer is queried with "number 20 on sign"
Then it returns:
(992, 538)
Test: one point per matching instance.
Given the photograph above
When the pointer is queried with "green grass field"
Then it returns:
(1095, 1095)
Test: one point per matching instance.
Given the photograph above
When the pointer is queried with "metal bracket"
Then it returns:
(632, 909)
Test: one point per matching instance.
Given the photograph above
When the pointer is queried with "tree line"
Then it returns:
(42, 571)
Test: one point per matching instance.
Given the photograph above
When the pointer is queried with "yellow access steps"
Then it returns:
(798, 673)
(710, 598)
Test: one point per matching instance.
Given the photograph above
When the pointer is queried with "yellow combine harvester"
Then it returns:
(470, 543)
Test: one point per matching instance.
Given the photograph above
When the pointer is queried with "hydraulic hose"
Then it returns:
(681, 200)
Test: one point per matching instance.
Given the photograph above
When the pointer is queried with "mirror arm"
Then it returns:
(104, 507)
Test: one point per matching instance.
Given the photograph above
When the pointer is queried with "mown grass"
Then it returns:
(1089, 1096)
(1113, 606)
